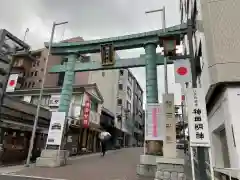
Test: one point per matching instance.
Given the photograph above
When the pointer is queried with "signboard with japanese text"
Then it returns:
(197, 117)
(54, 100)
(56, 128)
(155, 124)
(169, 110)
(86, 111)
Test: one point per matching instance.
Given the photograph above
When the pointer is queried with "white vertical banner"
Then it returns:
(56, 128)
(197, 117)
(12, 83)
(155, 124)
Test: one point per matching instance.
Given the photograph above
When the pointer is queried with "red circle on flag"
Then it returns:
(12, 82)
(182, 71)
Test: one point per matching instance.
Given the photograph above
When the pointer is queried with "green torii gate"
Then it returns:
(148, 40)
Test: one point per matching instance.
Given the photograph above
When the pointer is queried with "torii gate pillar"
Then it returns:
(152, 147)
(51, 157)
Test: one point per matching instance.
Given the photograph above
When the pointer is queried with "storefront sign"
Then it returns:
(198, 124)
(155, 125)
(56, 128)
(86, 112)
(54, 100)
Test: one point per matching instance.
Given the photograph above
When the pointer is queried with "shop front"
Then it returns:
(16, 128)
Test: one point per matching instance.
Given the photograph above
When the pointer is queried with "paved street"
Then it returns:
(117, 165)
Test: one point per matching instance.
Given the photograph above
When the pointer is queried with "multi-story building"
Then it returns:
(17, 117)
(216, 47)
(79, 139)
(130, 107)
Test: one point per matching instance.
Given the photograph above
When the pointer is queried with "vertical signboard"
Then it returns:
(56, 128)
(169, 110)
(86, 111)
(155, 125)
(197, 116)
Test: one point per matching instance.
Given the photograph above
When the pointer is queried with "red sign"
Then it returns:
(183, 97)
(86, 113)
(154, 121)
(12, 82)
(182, 71)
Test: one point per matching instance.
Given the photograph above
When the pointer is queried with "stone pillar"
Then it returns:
(152, 147)
(55, 157)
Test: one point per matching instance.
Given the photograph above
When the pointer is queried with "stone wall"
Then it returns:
(167, 171)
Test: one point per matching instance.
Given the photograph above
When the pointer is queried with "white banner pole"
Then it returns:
(192, 163)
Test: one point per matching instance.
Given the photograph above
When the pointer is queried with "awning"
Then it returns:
(21, 126)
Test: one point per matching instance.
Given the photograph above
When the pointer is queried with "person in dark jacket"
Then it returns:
(103, 147)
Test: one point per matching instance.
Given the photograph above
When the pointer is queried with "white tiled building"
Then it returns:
(216, 46)
(117, 88)
(129, 105)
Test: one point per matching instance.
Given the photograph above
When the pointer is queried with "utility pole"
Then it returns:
(200, 150)
(25, 34)
(165, 58)
(41, 93)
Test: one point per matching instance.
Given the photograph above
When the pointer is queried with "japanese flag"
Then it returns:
(12, 82)
(182, 70)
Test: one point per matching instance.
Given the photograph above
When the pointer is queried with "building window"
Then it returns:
(44, 101)
(121, 72)
(38, 62)
(120, 86)
(33, 84)
(36, 73)
(60, 78)
(39, 80)
(32, 73)
(128, 106)
(94, 106)
(103, 74)
(119, 102)
(29, 84)
(129, 92)
(129, 77)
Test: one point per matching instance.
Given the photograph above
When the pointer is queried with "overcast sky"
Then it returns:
(90, 19)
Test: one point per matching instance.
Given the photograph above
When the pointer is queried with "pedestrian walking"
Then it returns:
(104, 136)
(103, 147)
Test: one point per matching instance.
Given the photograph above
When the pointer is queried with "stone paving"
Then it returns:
(117, 165)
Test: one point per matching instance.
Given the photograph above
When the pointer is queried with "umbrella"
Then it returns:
(104, 135)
